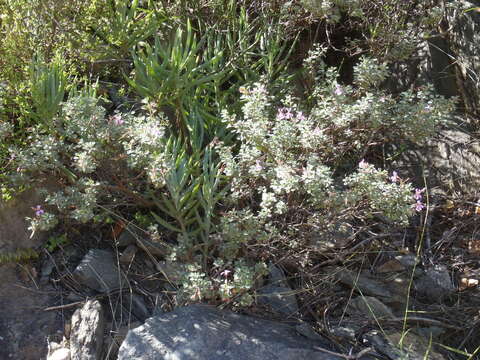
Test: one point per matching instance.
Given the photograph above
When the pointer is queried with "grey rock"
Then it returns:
(47, 268)
(128, 254)
(414, 347)
(364, 284)
(23, 328)
(200, 332)
(155, 248)
(306, 330)
(449, 58)
(344, 332)
(73, 297)
(86, 336)
(114, 340)
(408, 260)
(371, 307)
(455, 157)
(280, 299)
(462, 39)
(277, 276)
(134, 235)
(435, 284)
(434, 332)
(375, 339)
(136, 305)
(98, 270)
(162, 304)
(128, 237)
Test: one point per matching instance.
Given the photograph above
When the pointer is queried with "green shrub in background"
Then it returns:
(47, 90)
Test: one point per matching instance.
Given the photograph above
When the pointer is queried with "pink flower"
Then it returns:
(300, 116)
(38, 210)
(418, 194)
(225, 273)
(363, 164)
(258, 165)
(419, 206)
(394, 178)
(117, 120)
(338, 90)
(284, 114)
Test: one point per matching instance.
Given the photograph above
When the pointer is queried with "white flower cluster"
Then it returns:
(43, 222)
(84, 160)
(233, 281)
(42, 154)
(144, 141)
(281, 162)
(389, 199)
(83, 119)
(196, 285)
(412, 115)
(83, 139)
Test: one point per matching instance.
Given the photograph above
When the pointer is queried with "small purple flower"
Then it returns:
(338, 90)
(225, 273)
(156, 133)
(395, 178)
(117, 120)
(419, 206)
(38, 210)
(258, 165)
(300, 116)
(418, 194)
(363, 164)
(284, 114)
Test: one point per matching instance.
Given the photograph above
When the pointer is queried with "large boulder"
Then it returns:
(203, 332)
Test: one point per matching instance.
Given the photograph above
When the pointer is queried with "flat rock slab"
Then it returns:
(99, 271)
(281, 299)
(202, 332)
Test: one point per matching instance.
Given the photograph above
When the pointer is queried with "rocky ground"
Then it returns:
(82, 307)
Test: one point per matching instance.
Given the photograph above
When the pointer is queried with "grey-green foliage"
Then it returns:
(184, 185)
(287, 160)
